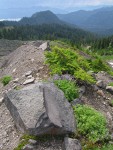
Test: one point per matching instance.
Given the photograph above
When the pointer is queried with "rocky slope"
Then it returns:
(26, 66)
(27, 59)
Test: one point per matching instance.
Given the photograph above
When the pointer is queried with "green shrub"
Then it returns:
(69, 88)
(90, 123)
(98, 147)
(65, 60)
(111, 84)
(82, 75)
(105, 147)
(98, 65)
(6, 79)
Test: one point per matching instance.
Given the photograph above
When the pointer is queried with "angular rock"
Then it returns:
(1, 100)
(104, 77)
(67, 77)
(109, 89)
(100, 84)
(41, 109)
(14, 70)
(28, 73)
(28, 147)
(76, 101)
(82, 91)
(44, 46)
(101, 93)
(29, 77)
(16, 80)
(28, 81)
(95, 88)
(56, 77)
(32, 142)
(71, 144)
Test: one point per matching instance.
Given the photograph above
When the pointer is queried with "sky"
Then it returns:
(4, 4)
(14, 9)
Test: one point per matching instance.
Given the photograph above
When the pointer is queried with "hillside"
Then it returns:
(83, 78)
(7, 46)
(99, 20)
(47, 32)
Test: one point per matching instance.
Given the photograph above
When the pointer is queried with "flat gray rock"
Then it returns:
(28, 81)
(40, 109)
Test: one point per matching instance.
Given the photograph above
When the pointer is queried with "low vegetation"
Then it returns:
(111, 103)
(69, 88)
(111, 84)
(91, 128)
(90, 123)
(24, 140)
(6, 79)
(44, 138)
(66, 60)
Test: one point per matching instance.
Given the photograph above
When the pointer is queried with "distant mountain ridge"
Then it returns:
(44, 17)
(98, 20)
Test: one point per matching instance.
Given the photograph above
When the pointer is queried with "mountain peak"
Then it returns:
(46, 12)
(43, 17)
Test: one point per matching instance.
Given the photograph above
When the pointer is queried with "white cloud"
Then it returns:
(54, 3)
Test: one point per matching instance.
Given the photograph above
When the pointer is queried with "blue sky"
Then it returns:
(21, 8)
(4, 4)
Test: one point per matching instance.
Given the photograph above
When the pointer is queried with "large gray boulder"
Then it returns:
(41, 109)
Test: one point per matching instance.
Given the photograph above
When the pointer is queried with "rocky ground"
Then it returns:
(26, 66)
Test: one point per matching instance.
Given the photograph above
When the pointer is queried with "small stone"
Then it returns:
(71, 144)
(1, 100)
(82, 91)
(28, 73)
(16, 80)
(109, 89)
(14, 70)
(100, 84)
(33, 142)
(56, 77)
(111, 136)
(110, 142)
(67, 77)
(109, 116)
(101, 93)
(29, 77)
(95, 88)
(104, 103)
(38, 74)
(76, 101)
(32, 60)
(29, 81)
(4, 141)
(28, 147)
(1, 146)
